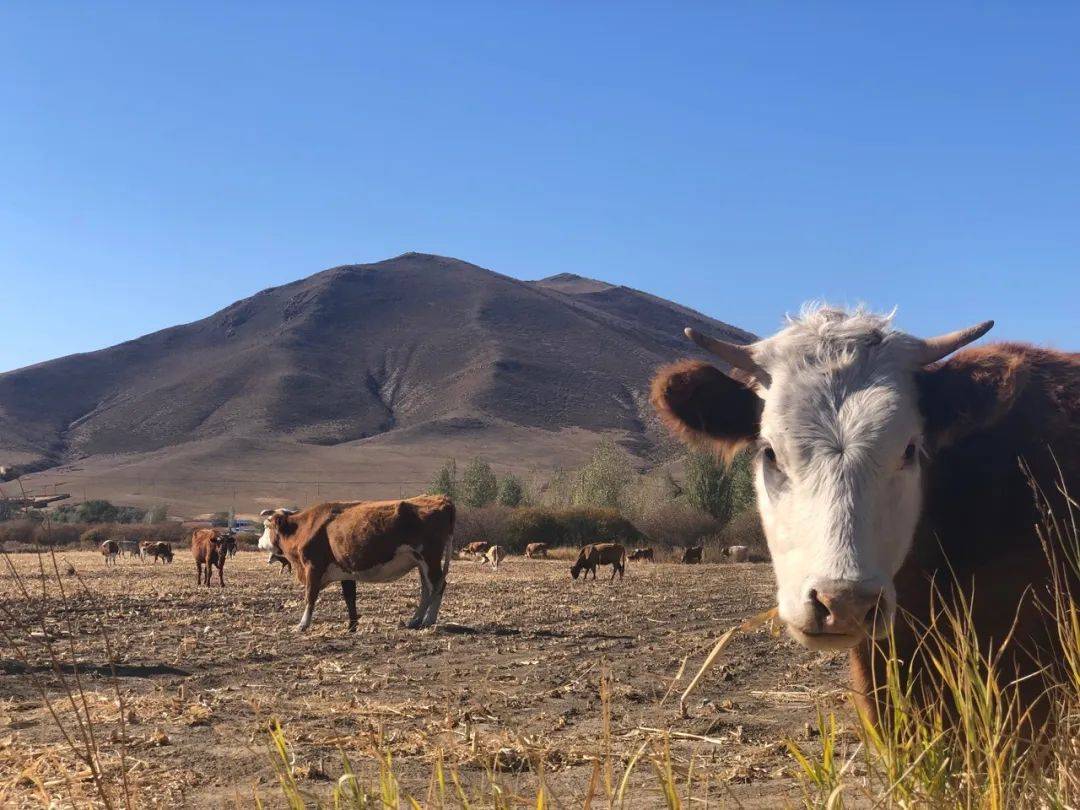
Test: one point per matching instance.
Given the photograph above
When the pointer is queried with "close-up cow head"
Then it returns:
(273, 528)
(840, 411)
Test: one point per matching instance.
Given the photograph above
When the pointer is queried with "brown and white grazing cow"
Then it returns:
(208, 549)
(692, 555)
(536, 551)
(596, 554)
(377, 541)
(110, 550)
(495, 555)
(642, 554)
(159, 551)
(885, 471)
(737, 554)
(477, 548)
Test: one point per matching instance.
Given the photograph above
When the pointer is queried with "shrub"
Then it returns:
(676, 524)
(602, 480)
(488, 523)
(719, 490)
(742, 530)
(96, 511)
(567, 527)
(511, 491)
(479, 486)
(446, 480)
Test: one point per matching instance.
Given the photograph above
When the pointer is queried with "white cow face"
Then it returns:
(839, 493)
(832, 409)
(269, 540)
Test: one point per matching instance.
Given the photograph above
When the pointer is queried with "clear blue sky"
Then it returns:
(159, 161)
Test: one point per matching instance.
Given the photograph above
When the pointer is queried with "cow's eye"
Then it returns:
(910, 453)
(769, 455)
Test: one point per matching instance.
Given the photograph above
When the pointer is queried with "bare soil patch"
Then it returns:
(514, 668)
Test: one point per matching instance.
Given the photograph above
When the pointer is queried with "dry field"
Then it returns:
(514, 673)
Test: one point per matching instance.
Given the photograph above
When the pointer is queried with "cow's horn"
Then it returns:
(734, 354)
(266, 513)
(933, 349)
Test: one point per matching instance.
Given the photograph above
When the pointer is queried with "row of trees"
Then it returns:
(710, 493)
(478, 485)
(101, 511)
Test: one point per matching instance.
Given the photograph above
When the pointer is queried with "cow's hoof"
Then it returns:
(353, 626)
(302, 628)
(413, 624)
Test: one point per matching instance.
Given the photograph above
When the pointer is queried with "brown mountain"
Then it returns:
(360, 370)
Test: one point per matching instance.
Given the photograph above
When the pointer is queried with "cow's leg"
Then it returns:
(221, 573)
(348, 591)
(198, 572)
(417, 620)
(311, 593)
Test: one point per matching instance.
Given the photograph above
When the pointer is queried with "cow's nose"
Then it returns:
(847, 608)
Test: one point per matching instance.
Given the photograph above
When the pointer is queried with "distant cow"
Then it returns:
(692, 555)
(376, 541)
(535, 551)
(228, 542)
(737, 554)
(110, 550)
(642, 554)
(159, 551)
(277, 558)
(477, 548)
(494, 556)
(596, 554)
(130, 548)
(208, 548)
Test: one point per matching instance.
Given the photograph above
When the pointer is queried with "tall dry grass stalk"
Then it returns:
(968, 742)
(36, 646)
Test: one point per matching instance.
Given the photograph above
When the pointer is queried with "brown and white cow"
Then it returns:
(536, 551)
(737, 554)
(494, 556)
(884, 471)
(377, 541)
(643, 554)
(110, 550)
(159, 550)
(596, 554)
(477, 548)
(692, 555)
(209, 550)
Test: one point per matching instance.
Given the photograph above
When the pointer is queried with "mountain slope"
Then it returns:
(415, 346)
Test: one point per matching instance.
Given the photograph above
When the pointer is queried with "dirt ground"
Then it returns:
(513, 673)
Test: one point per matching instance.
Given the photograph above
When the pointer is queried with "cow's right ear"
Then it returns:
(705, 407)
(265, 513)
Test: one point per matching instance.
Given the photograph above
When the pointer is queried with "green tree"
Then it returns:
(95, 511)
(719, 490)
(446, 480)
(511, 491)
(602, 480)
(479, 486)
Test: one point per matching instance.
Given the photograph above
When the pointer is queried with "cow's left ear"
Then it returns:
(970, 392)
(704, 406)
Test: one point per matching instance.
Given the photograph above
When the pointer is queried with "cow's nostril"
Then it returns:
(821, 610)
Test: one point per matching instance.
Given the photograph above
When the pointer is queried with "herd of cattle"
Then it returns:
(378, 541)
